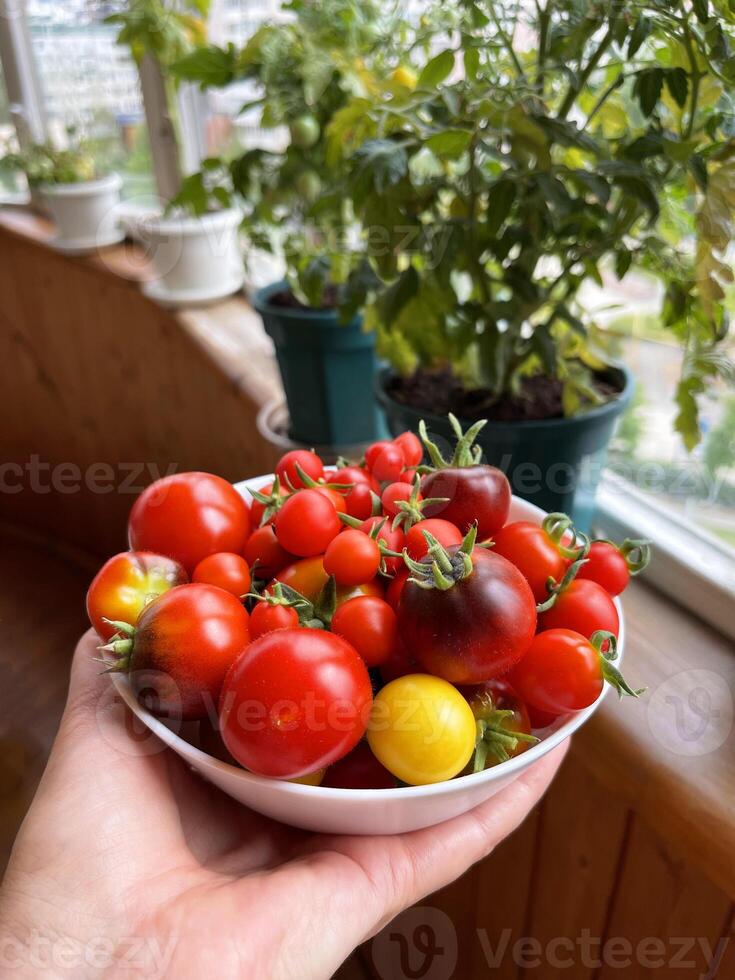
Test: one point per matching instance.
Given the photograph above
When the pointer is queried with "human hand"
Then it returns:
(127, 860)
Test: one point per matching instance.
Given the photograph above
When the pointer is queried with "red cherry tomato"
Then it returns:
(359, 770)
(184, 643)
(394, 539)
(584, 607)
(306, 523)
(393, 494)
(478, 494)
(533, 552)
(373, 451)
(352, 557)
(607, 566)
(188, 516)
(353, 475)
(389, 463)
(225, 570)
(268, 617)
(307, 461)
(264, 554)
(126, 584)
(410, 445)
(560, 672)
(358, 502)
(299, 701)
(370, 625)
(444, 532)
(394, 590)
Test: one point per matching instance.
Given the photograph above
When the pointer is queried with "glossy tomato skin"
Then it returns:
(394, 539)
(560, 673)
(308, 577)
(185, 641)
(474, 631)
(359, 770)
(264, 554)
(393, 494)
(606, 566)
(307, 461)
(476, 493)
(584, 607)
(352, 558)
(125, 584)
(306, 523)
(225, 570)
(267, 618)
(358, 502)
(297, 701)
(370, 625)
(410, 445)
(188, 516)
(354, 475)
(395, 589)
(446, 534)
(532, 551)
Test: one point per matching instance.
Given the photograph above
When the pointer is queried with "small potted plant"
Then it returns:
(532, 156)
(306, 70)
(193, 243)
(81, 201)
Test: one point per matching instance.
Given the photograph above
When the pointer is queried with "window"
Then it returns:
(90, 85)
(12, 185)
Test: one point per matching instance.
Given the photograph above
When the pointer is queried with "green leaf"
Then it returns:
(380, 163)
(639, 34)
(698, 168)
(623, 261)
(701, 9)
(471, 62)
(500, 200)
(436, 70)
(392, 300)
(212, 67)
(449, 144)
(648, 87)
(641, 189)
(677, 82)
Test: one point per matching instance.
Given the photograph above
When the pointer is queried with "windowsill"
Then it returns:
(636, 746)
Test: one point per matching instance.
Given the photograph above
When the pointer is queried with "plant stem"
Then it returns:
(696, 78)
(576, 87)
(508, 44)
(602, 100)
(543, 34)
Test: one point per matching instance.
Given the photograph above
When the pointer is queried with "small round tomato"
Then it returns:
(370, 625)
(268, 617)
(225, 570)
(389, 463)
(359, 770)
(393, 538)
(352, 557)
(504, 728)
(444, 532)
(393, 494)
(410, 445)
(373, 451)
(306, 523)
(353, 475)
(395, 589)
(308, 577)
(534, 553)
(560, 672)
(611, 566)
(264, 554)
(583, 606)
(188, 516)
(298, 701)
(359, 501)
(421, 729)
(471, 494)
(308, 462)
(181, 648)
(125, 584)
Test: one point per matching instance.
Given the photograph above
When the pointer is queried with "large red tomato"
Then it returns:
(125, 584)
(297, 701)
(188, 516)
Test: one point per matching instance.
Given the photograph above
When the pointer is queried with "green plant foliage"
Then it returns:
(43, 163)
(542, 146)
(169, 30)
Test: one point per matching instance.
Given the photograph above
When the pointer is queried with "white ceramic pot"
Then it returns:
(196, 260)
(85, 213)
(360, 811)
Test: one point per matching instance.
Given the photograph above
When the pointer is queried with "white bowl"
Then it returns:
(355, 811)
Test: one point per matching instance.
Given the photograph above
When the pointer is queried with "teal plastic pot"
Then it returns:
(553, 463)
(327, 369)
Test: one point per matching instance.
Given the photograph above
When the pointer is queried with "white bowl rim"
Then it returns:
(444, 787)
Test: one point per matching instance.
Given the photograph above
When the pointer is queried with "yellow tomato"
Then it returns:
(310, 779)
(421, 729)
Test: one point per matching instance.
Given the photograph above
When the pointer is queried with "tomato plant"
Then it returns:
(611, 566)
(289, 465)
(182, 646)
(352, 557)
(466, 620)
(306, 523)
(188, 516)
(299, 701)
(538, 551)
(125, 584)
(421, 729)
(564, 671)
(583, 606)
(370, 625)
(359, 770)
(225, 570)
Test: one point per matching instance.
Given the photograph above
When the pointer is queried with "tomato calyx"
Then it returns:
(636, 552)
(373, 533)
(556, 526)
(554, 588)
(494, 739)
(121, 645)
(271, 502)
(607, 656)
(309, 483)
(439, 569)
(310, 613)
(411, 511)
(466, 453)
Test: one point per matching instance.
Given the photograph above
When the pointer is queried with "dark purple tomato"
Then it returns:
(475, 493)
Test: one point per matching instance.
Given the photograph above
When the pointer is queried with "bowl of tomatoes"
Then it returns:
(370, 649)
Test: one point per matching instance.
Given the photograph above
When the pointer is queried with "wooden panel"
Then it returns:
(101, 391)
(667, 918)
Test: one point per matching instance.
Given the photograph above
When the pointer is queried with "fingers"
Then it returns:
(87, 681)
